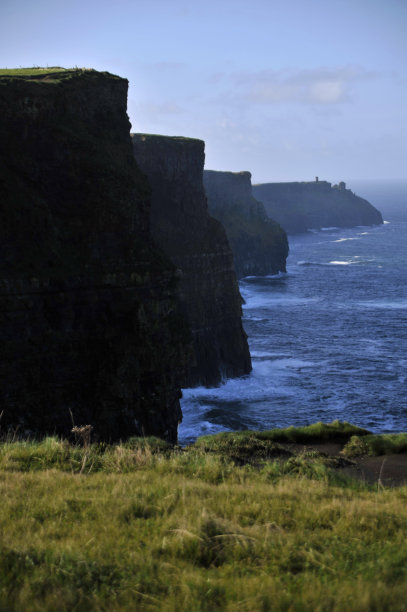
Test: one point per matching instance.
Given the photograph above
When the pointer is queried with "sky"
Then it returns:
(287, 89)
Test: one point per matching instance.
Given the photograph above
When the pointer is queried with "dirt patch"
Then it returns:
(385, 470)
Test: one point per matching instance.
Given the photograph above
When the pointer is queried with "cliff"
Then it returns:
(258, 243)
(197, 245)
(88, 318)
(302, 206)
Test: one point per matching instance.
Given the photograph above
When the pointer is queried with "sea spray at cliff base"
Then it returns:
(328, 339)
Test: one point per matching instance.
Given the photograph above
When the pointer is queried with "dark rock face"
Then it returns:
(302, 206)
(258, 243)
(197, 245)
(88, 316)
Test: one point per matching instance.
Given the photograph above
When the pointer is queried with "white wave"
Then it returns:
(259, 354)
(399, 304)
(250, 317)
(248, 388)
(316, 230)
(311, 263)
(329, 263)
(194, 424)
(341, 263)
(345, 239)
(278, 275)
(269, 377)
(292, 364)
(260, 385)
(252, 277)
(272, 299)
(386, 222)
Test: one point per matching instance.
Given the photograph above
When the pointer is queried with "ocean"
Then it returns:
(328, 339)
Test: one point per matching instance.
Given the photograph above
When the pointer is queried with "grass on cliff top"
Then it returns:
(141, 526)
(55, 73)
(35, 70)
(163, 138)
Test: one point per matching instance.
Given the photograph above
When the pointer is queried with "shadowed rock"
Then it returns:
(298, 207)
(258, 243)
(197, 245)
(88, 316)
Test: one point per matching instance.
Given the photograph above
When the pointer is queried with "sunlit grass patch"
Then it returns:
(316, 432)
(55, 453)
(40, 72)
(33, 71)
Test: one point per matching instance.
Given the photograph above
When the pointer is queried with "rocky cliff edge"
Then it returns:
(258, 243)
(89, 328)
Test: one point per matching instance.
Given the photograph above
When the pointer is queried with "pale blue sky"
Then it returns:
(287, 89)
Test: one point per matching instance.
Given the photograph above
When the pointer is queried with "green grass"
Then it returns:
(37, 71)
(375, 444)
(30, 71)
(311, 433)
(142, 526)
(53, 453)
(50, 74)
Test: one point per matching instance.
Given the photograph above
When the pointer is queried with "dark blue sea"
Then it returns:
(328, 339)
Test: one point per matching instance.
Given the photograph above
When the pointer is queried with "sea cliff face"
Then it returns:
(258, 243)
(89, 325)
(302, 206)
(197, 245)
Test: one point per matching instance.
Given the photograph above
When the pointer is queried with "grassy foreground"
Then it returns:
(141, 526)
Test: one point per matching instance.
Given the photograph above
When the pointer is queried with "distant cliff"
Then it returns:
(302, 206)
(197, 244)
(88, 305)
(258, 243)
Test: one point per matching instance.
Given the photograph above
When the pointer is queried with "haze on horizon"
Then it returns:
(286, 89)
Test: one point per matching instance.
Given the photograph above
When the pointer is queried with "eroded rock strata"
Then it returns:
(258, 243)
(298, 207)
(88, 319)
(198, 246)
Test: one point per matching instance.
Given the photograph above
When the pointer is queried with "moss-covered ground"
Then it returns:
(143, 526)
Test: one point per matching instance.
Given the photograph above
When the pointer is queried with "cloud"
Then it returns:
(318, 86)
